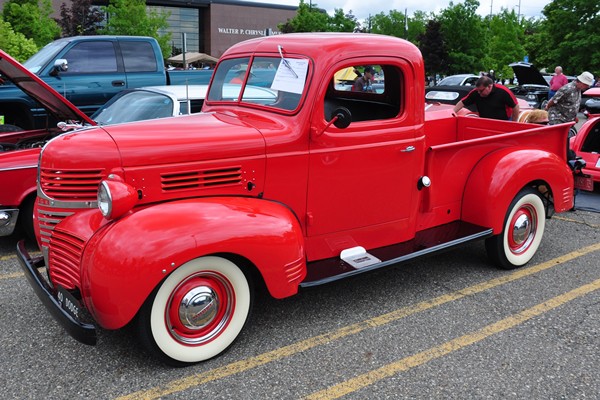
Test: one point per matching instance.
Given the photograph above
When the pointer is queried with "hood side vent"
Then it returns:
(210, 178)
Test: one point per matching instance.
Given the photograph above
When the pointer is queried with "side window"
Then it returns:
(368, 92)
(92, 57)
(138, 56)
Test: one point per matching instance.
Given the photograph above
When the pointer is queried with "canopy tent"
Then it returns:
(345, 75)
(191, 57)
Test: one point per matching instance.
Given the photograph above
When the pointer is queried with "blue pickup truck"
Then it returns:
(88, 71)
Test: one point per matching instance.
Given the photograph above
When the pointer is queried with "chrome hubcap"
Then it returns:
(198, 308)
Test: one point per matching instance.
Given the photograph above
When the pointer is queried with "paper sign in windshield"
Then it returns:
(290, 75)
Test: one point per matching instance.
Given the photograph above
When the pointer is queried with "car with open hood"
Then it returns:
(531, 84)
(20, 149)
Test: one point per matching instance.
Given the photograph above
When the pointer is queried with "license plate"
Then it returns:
(584, 182)
(69, 303)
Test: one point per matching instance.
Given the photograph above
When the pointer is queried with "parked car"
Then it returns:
(459, 80)
(166, 101)
(453, 94)
(532, 86)
(150, 103)
(320, 185)
(586, 143)
(592, 102)
(20, 150)
(88, 71)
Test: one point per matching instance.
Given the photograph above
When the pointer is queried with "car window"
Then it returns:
(91, 57)
(138, 56)
(263, 80)
(365, 98)
(135, 106)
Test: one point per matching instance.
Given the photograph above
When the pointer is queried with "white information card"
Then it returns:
(291, 75)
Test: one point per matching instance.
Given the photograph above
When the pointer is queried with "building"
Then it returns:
(211, 26)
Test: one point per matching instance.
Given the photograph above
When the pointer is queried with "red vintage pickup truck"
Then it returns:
(169, 224)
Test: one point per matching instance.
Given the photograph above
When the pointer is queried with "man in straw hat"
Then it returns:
(563, 107)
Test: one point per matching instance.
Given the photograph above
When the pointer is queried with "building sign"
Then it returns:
(245, 31)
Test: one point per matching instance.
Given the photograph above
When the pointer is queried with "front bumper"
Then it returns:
(8, 220)
(81, 331)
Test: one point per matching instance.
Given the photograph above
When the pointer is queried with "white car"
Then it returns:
(459, 80)
(153, 102)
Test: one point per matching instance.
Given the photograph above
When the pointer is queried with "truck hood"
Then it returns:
(39, 90)
(528, 74)
(198, 137)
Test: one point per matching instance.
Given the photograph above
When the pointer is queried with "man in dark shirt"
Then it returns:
(492, 101)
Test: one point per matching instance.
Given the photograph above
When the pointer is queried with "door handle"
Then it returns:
(408, 149)
(118, 83)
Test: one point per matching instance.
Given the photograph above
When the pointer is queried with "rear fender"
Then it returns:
(123, 263)
(498, 177)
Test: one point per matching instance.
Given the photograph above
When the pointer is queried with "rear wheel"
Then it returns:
(523, 230)
(197, 312)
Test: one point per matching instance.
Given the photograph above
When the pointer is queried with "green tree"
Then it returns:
(131, 17)
(400, 25)
(32, 19)
(505, 43)
(308, 19)
(536, 43)
(341, 22)
(15, 43)
(80, 19)
(465, 37)
(391, 24)
(432, 45)
(572, 28)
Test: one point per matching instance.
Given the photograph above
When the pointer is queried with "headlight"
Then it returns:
(115, 198)
(531, 97)
(104, 199)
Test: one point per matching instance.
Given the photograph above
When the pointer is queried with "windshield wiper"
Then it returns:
(285, 62)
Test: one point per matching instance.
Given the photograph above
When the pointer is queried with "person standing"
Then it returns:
(364, 82)
(564, 105)
(492, 100)
(557, 81)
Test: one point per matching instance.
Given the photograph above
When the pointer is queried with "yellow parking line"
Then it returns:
(7, 258)
(182, 384)
(407, 363)
(13, 275)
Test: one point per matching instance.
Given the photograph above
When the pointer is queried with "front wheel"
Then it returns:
(522, 233)
(197, 312)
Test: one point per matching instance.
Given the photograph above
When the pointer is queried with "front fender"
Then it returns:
(498, 177)
(126, 260)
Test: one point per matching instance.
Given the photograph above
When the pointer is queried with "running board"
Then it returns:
(425, 242)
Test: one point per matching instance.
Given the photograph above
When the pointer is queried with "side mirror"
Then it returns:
(60, 65)
(341, 117)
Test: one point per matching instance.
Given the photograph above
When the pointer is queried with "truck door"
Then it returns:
(94, 74)
(363, 178)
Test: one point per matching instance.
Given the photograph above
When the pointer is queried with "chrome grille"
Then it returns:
(187, 180)
(70, 185)
(48, 218)
(64, 256)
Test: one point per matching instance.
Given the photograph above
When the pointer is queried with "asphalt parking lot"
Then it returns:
(446, 326)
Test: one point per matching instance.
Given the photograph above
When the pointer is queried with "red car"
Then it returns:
(20, 150)
(586, 144)
(170, 224)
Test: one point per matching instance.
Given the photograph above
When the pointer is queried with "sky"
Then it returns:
(362, 9)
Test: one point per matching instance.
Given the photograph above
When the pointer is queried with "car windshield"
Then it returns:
(451, 80)
(135, 106)
(272, 81)
(42, 57)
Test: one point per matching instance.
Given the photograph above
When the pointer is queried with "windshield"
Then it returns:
(135, 106)
(269, 81)
(42, 57)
